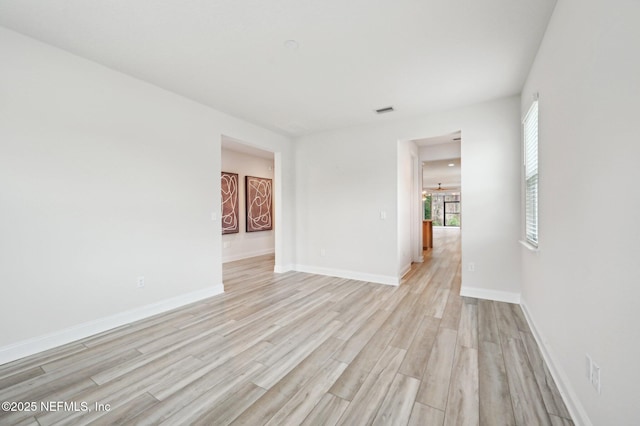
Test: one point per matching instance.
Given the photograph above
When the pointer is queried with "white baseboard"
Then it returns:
(62, 337)
(404, 270)
(482, 293)
(280, 269)
(576, 409)
(350, 275)
(246, 255)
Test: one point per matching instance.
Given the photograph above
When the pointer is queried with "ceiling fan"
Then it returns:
(440, 188)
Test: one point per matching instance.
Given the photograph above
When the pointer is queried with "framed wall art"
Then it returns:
(230, 205)
(259, 200)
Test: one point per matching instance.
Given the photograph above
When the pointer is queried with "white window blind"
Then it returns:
(530, 125)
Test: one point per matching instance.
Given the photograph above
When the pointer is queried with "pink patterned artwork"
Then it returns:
(258, 192)
(230, 213)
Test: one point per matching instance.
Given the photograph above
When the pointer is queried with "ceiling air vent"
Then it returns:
(385, 109)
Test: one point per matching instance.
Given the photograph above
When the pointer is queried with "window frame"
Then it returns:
(531, 175)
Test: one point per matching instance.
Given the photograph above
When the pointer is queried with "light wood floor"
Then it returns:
(296, 348)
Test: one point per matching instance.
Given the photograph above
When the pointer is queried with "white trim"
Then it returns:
(576, 409)
(247, 255)
(420, 259)
(529, 246)
(350, 275)
(280, 269)
(483, 293)
(404, 271)
(37, 344)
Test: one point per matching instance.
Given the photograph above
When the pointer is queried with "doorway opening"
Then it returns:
(249, 181)
(441, 161)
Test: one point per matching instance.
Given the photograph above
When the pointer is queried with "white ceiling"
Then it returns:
(454, 137)
(435, 172)
(439, 171)
(353, 56)
(242, 147)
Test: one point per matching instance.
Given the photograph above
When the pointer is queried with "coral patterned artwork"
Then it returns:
(230, 207)
(258, 194)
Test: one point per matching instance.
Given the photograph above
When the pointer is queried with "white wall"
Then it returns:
(407, 199)
(581, 289)
(246, 244)
(346, 177)
(342, 186)
(106, 178)
(443, 151)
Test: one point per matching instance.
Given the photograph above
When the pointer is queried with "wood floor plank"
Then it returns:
(505, 320)
(34, 361)
(30, 421)
(61, 394)
(550, 394)
(423, 415)
(296, 336)
(519, 317)
(353, 323)
(327, 412)
(560, 421)
(229, 409)
(287, 363)
(126, 412)
(451, 314)
(302, 403)
(360, 298)
(418, 352)
(487, 324)
(528, 406)
(365, 404)
(143, 327)
(196, 404)
(396, 407)
(349, 383)
(118, 392)
(408, 327)
(468, 328)
(495, 401)
(360, 337)
(197, 397)
(438, 303)
(463, 406)
(278, 395)
(20, 376)
(356, 373)
(234, 343)
(37, 388)
(434, 390)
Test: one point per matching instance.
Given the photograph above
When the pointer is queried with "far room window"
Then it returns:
(426, 202)
(445, 209)
(530, 125)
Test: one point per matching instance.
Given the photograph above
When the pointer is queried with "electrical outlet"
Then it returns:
(592, 371)
(587, 366)
(383, 215)
(595, 376)
(140, 282)
(472, 267)
(226, 244)
(323, 252)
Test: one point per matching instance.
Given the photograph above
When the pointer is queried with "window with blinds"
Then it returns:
(530, 125)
